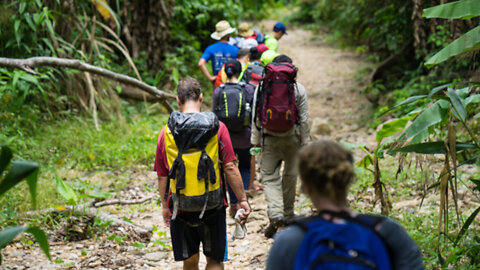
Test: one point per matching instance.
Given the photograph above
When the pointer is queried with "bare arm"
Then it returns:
(202, 64)
(162, 187)
(235, 181)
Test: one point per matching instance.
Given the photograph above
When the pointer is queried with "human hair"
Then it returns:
(255, 54)
(242, 53)
(233, 68)
(326, 167)
(188, 89)
(282, 58)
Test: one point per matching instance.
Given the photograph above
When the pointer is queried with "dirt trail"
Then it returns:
(328, 74)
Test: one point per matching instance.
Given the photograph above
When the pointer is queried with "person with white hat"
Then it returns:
(219, 52)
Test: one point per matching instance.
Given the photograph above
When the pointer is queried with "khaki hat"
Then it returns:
(244, 30)
(222, 28)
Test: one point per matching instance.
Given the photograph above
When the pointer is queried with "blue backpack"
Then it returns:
(352, 245)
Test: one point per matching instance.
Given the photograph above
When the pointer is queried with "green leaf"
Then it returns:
(454, 10)
(431, 116)
(472, 99)
(467, 224)
(410, 100)
(21, 7)
(67, 193)
(459, 109)
(476, 116)
(351, 146)
(437, 89)
(30, 22)
(431, 148)
(99, 195)
(19, 171)
(7, 235)
(48, 22)
(365, 161)
(41, 239)
(463, 92)
(175, 75)
(5, 157)
(467, 42)
(16, 27)
(392, 127)
(32, 186)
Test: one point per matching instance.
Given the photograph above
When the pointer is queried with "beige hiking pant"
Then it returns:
(279, 190)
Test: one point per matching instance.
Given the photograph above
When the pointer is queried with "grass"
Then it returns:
(421, 223)
(89, 160)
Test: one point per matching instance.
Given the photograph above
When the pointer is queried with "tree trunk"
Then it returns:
(147, 29)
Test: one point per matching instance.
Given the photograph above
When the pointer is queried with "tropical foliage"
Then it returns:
(426, 101)
(18, 171)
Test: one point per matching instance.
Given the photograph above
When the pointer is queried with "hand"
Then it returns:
(166, 216)
(213, 79)
(245, 206)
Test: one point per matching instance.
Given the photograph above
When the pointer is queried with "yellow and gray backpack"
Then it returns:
(191, 144)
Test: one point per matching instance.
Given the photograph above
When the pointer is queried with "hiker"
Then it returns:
(243, 56)
(253, 75)
(253, 72)
(271, 40)
(326, 172)
(194, 203)
(268, 56)
(280, 128)
(232, 103)
(219, 52)
(245, 31)
(248, 37)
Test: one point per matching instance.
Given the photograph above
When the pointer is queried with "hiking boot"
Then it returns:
(273, 227)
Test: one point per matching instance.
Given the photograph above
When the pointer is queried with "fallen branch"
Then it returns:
(30, 63)
(122, 202)
(85, 209)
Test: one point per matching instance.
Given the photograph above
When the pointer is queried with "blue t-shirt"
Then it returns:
(219, 53)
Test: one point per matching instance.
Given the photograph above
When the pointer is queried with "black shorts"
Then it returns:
(188, 231)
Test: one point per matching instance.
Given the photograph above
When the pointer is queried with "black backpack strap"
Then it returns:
(259, 104)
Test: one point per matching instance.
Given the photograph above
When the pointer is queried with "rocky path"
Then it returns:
(335, 105)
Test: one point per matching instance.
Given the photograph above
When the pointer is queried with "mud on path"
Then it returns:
(335, 105)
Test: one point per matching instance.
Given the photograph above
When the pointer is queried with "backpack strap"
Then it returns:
(206, 170)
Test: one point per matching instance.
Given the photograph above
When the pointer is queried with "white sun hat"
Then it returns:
(222, 28)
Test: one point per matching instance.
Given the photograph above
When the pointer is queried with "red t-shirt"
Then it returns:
(226, 153)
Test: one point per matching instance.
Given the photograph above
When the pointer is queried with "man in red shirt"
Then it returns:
(188, 229)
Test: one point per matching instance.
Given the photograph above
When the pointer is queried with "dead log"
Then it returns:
(122, 202)
(30, 63)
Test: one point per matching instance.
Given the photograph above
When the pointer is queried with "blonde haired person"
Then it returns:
(326, 171)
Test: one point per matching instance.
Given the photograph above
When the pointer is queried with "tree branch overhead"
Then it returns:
(30, 63)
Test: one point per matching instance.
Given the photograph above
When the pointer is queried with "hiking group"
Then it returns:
(258, 106)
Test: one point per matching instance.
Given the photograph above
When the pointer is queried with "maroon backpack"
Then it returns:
(276, 106)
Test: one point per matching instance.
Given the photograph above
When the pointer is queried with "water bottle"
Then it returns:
(248, 110)
(255, 151)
